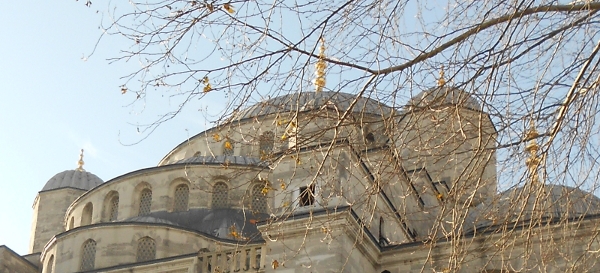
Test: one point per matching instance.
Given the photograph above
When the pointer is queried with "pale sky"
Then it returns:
(54, 103)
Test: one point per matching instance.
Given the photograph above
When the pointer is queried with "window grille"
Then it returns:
(146, 249)
(114, 208)
(228, 147)
(266, 143)
(50, 265)
(88, 255)
(220, 196)
(145, 202)
(182, 196)
(259, 200)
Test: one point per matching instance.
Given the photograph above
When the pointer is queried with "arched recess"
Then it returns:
(71, 223)
(258, 198)
(266, 143)
(142, 199)
(228, 146)
(146, 249)
(88, 255)
(181, 197)
(220, 195)
(111, 207)
(86, 214)
(50, 265)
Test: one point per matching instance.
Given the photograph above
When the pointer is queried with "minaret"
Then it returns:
(533, 161)
(320, 68)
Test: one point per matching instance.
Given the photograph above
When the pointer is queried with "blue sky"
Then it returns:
(54, 103)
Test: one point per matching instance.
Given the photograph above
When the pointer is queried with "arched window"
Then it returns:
(86, 215)
(220, 195)
(145, 201)
(146, 250)
(266, 142)
(88, 255)
(228, 147)
(259, 200)
(113, 211)
(182, 196)
(50, 265)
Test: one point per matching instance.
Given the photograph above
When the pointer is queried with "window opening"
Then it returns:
(146, 249)
(307, 195)
(114, 208)
(145, 202)
(88, 255)
(220, 196)
(228, 147)
(266, 143)
(182, 196)
(259, 199)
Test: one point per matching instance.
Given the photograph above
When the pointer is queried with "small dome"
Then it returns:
(77, 179)
(444, 95)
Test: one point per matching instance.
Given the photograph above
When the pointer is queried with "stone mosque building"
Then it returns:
(318, 182)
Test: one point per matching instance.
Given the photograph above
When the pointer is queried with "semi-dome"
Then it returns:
(444, 95)
(306, 101)
(220, 223)
(77, 179)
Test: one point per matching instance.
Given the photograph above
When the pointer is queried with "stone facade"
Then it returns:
(288, 186)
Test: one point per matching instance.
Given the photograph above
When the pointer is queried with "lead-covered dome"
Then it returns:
(77, 179)
(307, 101)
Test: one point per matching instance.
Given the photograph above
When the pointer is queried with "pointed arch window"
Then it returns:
(114, 208)
(228, 147)
(220, 195)
(182, 196)
(50, 265)
(146, 250)
(88, 255)
(259, 199)
(266, 143)
(86, 215)
(145, 201)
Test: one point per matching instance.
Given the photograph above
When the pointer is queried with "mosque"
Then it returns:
(319, 182)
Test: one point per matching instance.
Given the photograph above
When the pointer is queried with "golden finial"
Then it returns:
(532, 148)
(80, 162)
(441, 80)
(320, 68)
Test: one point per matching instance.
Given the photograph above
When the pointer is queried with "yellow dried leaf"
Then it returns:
(228, 8)
(228, 145)
(207, 88)
(123, 89)
(275, 264)
(265, 190)
(217, 137)
(210, 7)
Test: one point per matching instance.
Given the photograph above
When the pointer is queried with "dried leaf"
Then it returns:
(228, 8)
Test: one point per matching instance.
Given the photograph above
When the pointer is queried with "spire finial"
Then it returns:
(320, 68)
(441, 80)
(80, 162)
(532, 148)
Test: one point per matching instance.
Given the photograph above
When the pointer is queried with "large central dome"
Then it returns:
(312, 101)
